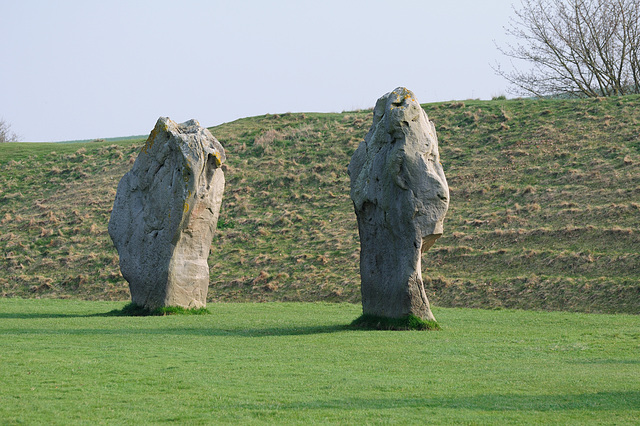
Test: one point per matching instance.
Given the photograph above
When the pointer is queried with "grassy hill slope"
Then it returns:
(545, 209)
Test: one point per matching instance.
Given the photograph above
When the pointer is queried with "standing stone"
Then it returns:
(165, 213)
(401, 196)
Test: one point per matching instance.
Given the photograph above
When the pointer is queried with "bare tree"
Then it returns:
(6, 135)
(583, 48)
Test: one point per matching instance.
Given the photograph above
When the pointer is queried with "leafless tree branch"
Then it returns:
(582, 48)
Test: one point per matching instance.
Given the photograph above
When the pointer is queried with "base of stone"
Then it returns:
(410, 322)
(134, 310)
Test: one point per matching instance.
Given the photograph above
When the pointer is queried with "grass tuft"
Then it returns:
(178, 310)
(410, 322)
(134, 310)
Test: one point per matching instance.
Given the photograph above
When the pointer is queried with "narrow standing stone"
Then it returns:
(400, 196)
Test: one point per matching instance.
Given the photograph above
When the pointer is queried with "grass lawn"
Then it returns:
(64, 361)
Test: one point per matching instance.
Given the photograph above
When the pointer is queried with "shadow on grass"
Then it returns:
(599, 401)
(184, 331)
(129, 310)
(293, 330)
(49, 315)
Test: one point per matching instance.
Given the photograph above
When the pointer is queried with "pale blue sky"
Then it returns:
(95, 69)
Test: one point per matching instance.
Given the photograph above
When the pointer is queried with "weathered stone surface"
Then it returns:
(165, 214)
(400, 196)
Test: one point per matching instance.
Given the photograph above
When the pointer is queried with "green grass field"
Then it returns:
(66, 361)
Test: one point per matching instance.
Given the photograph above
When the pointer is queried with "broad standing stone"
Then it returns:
(401, 196)
(165, 213)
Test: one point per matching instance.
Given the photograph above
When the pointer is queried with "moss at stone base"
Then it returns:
(133, 310)
(410, 322)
